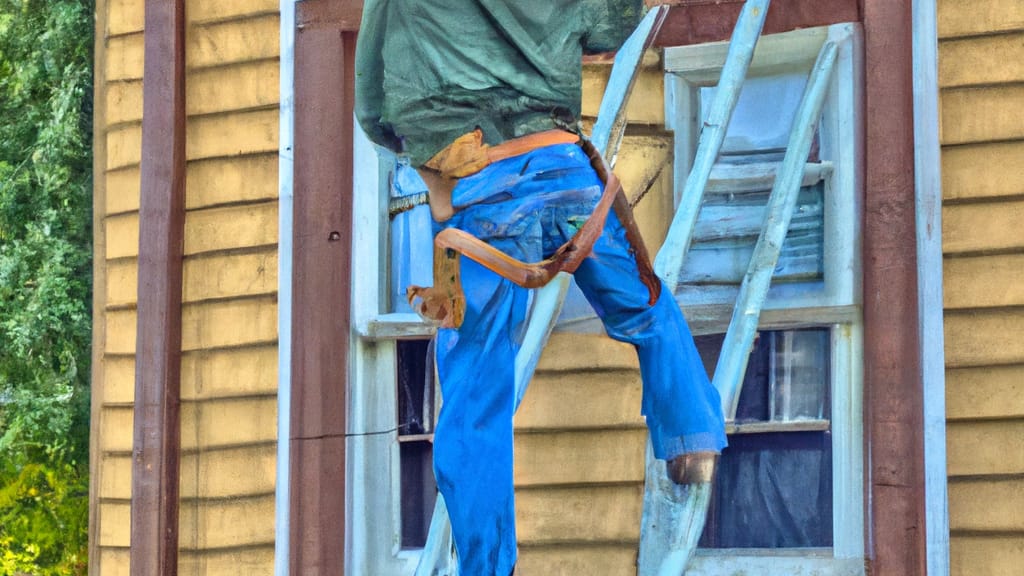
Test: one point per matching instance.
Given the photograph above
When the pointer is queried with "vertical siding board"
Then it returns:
(321, 283)
(893, 388)
(156, 445)
(99, 285)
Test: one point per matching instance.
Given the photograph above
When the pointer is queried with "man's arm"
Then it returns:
(370, 75)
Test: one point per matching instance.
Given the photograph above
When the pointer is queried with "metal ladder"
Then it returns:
(674, 516)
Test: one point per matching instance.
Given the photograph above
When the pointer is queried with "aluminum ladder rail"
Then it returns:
(674, 516)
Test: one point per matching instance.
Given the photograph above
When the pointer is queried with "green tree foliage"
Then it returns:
(45, 283)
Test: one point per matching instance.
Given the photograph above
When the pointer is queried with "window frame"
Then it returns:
(375, 524)
(835, 304)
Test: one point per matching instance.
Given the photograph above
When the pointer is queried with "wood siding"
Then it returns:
(579, 456)
(981, 77)
(229, 316)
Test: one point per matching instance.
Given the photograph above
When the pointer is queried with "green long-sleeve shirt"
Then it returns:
(428, 71)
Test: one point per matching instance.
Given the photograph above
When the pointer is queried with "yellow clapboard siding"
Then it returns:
(250, 561)
(585, 457)
(231, 227)
(224, 180)
(983, 227)
(233, 275)
(115, 479)
(232, 134)
(570, 352)
(985, 392)
(120, 331)
(115, 525)
(985, 448)
(983, 281)
(970, 17)
(233, 41)
(122, 236)
(114, 561)
(204, 11)
(585, 514)
(116, 429)
(239, 87)
(640, 158)
(981, 114)
(245, 471)
(986, 60)
(986, 505)
(984, 337)
(122, 282)
(982, 170)
(225, 423)
(118, 380)
(124, 147)
(125, 16)
(238, 472)
(124, 57)
(604, 560)
(581, 400)
(229, 324)
(646, 104)
(229, 373)
(124, 102)
(226, 523)
(123, 190)
(985, 555)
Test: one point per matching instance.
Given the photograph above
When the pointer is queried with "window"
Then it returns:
(801, 407)
(394, 398)
(789, 493)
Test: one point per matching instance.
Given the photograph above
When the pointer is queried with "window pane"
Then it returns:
(799, 374)
(788, 370)
(416, 405)
(772, 491)
(764, 113)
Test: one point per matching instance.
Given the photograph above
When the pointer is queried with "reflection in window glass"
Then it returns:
(764, 113)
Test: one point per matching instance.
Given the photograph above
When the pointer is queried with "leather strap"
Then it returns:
(468, 154)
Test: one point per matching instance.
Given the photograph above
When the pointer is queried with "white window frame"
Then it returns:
(833, 303)
(373, 463)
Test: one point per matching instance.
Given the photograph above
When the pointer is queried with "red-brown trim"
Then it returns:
(697, 21)
(894, 418)
(157, 438)
(321, 282)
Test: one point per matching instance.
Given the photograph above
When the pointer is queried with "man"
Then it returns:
(507, 74)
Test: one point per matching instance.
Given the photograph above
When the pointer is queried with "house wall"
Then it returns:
(229, 362)
(981, 75)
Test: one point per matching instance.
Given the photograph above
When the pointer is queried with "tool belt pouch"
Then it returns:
(444, 302)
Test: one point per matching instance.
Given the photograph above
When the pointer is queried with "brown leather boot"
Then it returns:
(692, 468)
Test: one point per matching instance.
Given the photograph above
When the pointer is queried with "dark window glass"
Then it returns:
(415, 380)
(774, 489)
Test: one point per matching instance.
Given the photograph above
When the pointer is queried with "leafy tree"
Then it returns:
(45, 283)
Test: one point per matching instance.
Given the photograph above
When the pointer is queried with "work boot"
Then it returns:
(692, 468)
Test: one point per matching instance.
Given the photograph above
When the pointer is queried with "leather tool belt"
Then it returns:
(444, 302)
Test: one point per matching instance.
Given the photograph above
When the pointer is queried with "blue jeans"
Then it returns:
(528, 206)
